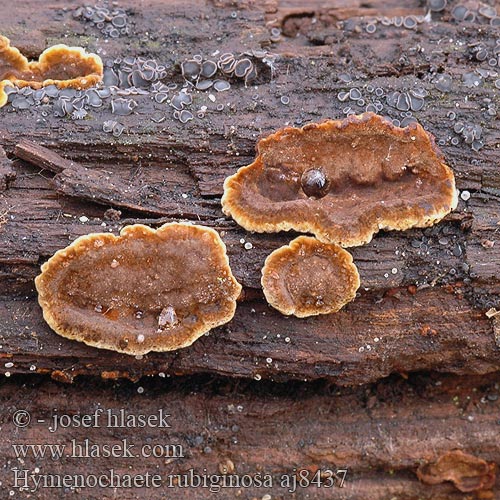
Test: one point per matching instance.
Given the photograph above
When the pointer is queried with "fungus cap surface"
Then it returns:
(343, 181)
(59, 65)
(308, 277)
(144, 290)
(3, 94)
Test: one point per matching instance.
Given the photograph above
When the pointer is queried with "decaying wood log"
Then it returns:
(381, 433)
(42, 157)
(396, 312)
(407, 332)
(424, 293)
(72, 179)
(428, 297)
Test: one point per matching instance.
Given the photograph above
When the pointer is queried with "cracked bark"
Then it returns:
(382, 432)
(428, 314)
(145, 172)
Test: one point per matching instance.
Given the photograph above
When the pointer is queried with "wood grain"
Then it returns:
(424, 295)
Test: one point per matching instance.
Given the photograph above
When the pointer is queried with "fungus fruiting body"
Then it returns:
(467, 472)
(308, 277)
(3, 94)
(144, 290)
(59, 65)
(343, 181)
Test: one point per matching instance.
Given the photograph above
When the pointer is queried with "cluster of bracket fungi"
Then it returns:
(343, 181)
(159, 290)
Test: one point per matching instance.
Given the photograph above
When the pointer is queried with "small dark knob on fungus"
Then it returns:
(315, 183)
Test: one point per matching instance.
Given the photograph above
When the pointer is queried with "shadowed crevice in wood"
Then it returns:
(7, 173)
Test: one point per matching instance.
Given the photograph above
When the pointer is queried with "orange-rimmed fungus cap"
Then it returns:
(467, 472)
(144, 290)
(308, 277)
(60, 65)
(3, 94)
(343, 181)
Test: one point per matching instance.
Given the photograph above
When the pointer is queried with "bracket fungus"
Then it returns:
(59, 65)
(467, 472)
(144, 290)
(308, 277)
(343, 181)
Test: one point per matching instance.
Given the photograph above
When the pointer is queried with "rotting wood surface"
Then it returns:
(424, 295)
(381, 433)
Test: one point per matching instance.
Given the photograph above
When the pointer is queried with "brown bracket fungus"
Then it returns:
(144, 290)
(467, 472)
(343, 181)
(308, 277)
(60, 65)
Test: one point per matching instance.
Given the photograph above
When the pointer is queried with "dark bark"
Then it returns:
(381, 433)
(427, 291)
(7, 173)
(425, 294)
